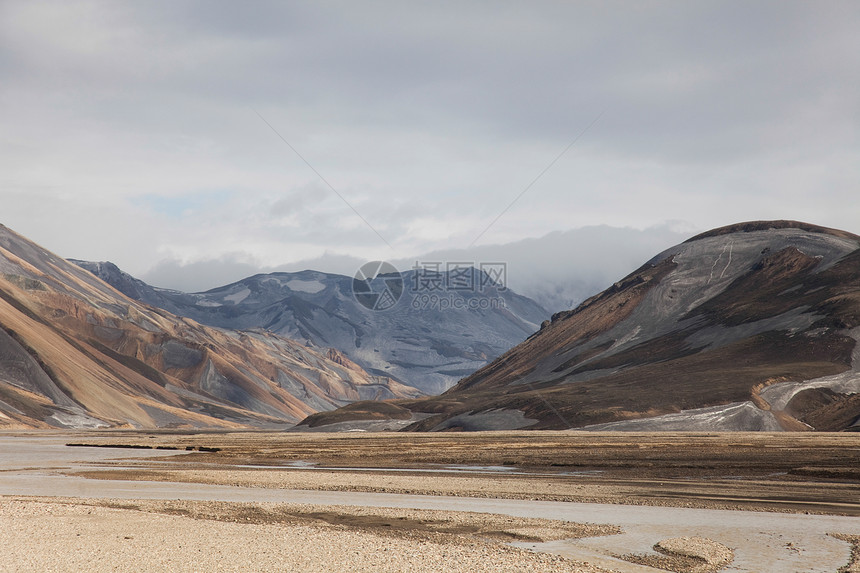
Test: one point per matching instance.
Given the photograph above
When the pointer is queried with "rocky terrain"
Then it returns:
(430, 339)
(74, 352)
(748, 327)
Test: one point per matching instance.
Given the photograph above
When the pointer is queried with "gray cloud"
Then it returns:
(200, 275)
(428, 119)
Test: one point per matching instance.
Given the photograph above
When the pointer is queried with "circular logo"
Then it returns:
(377, 285)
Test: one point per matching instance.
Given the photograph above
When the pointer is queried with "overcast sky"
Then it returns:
(165, 133)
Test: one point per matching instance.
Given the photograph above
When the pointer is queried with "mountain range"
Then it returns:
(439, 330)
(75, 352)
(753, 326)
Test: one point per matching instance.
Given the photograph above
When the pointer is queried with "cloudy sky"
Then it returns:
(226, 136)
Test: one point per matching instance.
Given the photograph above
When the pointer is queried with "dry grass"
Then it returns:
(784, 472)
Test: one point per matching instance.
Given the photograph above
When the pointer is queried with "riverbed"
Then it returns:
(37, 466)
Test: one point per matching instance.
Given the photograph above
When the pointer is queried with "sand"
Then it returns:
(89, 535)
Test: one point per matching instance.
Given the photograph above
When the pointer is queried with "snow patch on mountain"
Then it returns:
(310, 287)
(238, 297)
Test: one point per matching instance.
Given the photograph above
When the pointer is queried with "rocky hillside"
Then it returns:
(74, 352)
(748, 327)
(430, 339)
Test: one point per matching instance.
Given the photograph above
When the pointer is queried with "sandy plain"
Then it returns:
(788, 473)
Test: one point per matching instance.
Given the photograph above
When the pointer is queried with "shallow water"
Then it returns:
(21, 452)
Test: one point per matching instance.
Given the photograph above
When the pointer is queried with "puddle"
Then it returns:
(448, 469)
(18, 453)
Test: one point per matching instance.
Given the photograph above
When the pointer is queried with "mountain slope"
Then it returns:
(74, 352)
(748, 327)
(416, 342)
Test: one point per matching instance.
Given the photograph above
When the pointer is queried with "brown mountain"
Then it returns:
(74, 352)
(748, 327)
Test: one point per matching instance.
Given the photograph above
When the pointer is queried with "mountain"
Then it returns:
(75, 352)
(434, 335)
(748, 327)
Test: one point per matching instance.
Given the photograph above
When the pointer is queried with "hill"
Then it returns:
(74, 352)
(748, 327)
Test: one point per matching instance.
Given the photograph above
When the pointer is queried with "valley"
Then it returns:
(727, 362)
(414, 342)
(429, 287)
